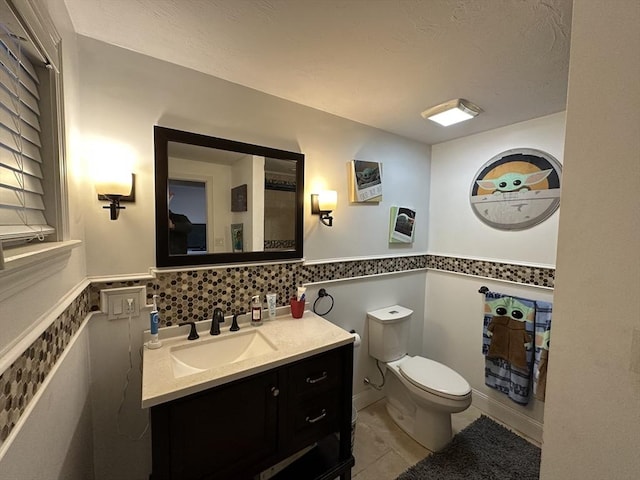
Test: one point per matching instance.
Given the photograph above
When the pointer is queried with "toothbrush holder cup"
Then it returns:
(297, 307)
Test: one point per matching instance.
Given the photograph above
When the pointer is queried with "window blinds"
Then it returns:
(21, 192)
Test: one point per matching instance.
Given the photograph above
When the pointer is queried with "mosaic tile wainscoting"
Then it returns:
(24, 377)
(193, 294)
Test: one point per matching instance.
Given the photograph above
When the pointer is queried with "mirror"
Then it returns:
(222, 201)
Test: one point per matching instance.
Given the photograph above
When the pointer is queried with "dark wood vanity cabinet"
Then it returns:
(237, 430)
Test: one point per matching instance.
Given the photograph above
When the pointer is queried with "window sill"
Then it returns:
(27, 265)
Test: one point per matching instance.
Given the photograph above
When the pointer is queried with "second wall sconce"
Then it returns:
(118, 187)
(323, 204)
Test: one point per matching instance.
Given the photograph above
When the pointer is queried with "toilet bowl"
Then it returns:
(421, 393)
(421, 396)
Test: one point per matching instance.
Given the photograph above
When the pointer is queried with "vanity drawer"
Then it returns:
(316, 418)
(317, 374)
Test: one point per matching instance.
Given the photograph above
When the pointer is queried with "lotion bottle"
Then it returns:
(256, 311)
(153, 327)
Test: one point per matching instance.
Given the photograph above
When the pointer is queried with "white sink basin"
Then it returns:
(226, 348)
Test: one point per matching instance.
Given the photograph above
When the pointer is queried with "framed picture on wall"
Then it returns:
(239, 198)
(365, 181)
(237, 237)
(401, 225)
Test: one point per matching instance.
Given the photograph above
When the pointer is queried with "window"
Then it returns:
(30, 155)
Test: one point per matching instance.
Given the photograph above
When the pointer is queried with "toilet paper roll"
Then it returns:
(357, 341)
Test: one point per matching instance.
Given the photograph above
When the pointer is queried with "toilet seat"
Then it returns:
(434, 378)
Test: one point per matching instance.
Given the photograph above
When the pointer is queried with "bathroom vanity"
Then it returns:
(289, 391)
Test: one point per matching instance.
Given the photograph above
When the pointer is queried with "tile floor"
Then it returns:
(383, 451)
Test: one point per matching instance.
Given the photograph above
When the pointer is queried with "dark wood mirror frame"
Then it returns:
(162, 137)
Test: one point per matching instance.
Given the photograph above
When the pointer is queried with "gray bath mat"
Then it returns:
(484, 450)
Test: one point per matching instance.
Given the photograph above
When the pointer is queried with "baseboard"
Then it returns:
(367, 397)
(508, 416)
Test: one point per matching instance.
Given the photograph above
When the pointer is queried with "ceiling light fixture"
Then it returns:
(453, 111)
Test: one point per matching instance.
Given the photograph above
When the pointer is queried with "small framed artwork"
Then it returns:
(401, 225)
(239, 198)
(237, 237)
(365, 181)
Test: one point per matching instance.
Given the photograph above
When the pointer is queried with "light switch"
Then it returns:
(117, 305)
(114, 302)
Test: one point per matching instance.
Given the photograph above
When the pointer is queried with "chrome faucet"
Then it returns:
(218, 318)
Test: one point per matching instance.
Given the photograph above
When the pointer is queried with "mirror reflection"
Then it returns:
(225, 201)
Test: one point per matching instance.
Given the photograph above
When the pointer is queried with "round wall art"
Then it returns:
(517, 189)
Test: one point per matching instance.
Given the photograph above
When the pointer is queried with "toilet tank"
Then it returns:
(389, 332)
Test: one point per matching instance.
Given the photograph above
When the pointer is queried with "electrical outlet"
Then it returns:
(114, 302)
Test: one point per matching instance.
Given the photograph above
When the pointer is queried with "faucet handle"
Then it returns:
(193, 333)
(216, 320)
(234, 324)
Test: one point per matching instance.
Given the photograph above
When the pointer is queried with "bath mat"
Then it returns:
(484, 450)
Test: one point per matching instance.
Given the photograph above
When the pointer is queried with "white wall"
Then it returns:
(453, 336)
(592, 416)
(453, 324)
(124, 94)
(122, 441)
(55, 440)
(453, 227)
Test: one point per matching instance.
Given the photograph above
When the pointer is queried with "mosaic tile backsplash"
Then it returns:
(193, 294)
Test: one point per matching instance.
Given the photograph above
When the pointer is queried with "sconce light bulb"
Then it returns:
(328, 200)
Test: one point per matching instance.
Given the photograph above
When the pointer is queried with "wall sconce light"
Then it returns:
(116, 187)
(323, 204)
(453, 111)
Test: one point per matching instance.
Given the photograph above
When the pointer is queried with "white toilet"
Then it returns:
(421, 393)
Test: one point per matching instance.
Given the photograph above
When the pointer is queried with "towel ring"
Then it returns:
(321, 294)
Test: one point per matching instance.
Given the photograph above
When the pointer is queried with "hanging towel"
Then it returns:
(504, 369)
(508, 330)
(543, 337)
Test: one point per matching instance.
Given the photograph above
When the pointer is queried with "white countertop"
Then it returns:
(294, 339)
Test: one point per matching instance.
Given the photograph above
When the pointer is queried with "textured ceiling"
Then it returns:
(378, 62)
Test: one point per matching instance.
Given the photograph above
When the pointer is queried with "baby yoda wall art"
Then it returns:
(401, 225)
(365, 181)
(517, 189)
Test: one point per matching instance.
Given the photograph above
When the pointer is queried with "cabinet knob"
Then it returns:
(275, 391)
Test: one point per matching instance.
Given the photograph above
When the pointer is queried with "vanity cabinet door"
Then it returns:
(220, 432)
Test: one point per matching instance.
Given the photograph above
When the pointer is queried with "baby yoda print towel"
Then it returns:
(508, 331)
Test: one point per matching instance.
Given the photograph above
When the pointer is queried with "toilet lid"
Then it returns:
(433, 376)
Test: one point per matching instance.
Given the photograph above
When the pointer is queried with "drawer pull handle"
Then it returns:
(317, 379)
(318, 418)
(275, 391)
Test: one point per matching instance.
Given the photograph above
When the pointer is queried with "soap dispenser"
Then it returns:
(256, 311)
